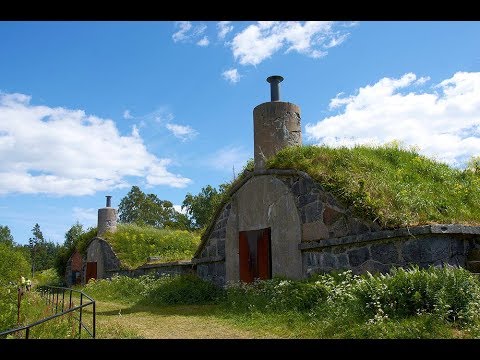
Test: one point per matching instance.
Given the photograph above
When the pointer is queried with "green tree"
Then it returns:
(147, 209)
(6, 236)
(201, 207)
(35, 243)
(72, 235)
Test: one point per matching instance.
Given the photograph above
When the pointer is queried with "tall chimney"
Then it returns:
(107, 218)
(276, 125)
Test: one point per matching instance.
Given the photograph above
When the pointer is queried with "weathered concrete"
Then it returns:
(101, 252)
(266, 202)
(276, 125)
(107, 220)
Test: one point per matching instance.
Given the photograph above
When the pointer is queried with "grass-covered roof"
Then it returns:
(134, 244)
(390, 184)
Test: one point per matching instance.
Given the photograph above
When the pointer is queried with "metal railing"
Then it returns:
(51, 295)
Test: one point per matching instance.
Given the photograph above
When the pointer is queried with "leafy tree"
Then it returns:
(72, 235)
(201, 207)
(13, 263)
(5, 236)
(75, 238)
(147, 209)
(42, 252)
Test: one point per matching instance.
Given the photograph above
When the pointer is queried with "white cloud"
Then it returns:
(158, 175)
(85, 216)
(183, 132)
(183, 28)
(60, 151)
(179, 209)
(260, 41)
(228, 157)
(443, 121)
(224, 28)
(231, 75)
(135, 132)
(187, 32)
(203, 41)
(127, 115)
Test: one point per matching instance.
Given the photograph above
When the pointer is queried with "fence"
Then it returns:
(52, 297)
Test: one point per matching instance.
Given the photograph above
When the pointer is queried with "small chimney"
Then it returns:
(275, 81)
(107, 218)
(276, 125)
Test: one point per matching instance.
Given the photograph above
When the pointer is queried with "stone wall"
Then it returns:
(378, 252)
(210, 264)
(322, 215)
(156, 270)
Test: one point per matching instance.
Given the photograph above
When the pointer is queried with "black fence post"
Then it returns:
(27, 332)
(94, 318)
(80, 318)
(70, 303)
(63, 299)
(56, 303)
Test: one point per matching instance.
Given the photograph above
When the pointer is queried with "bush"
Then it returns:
(182, 290)
(48, 277)
(166, 290)
(13, 264)
(122, 288)
(8, 307)
(452, 294)
(273, 295)
(448, 294)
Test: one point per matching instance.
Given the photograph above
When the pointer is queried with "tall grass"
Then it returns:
(147, 290)
(134, 244)
(406, 303)
(432, 301)
(391, 184)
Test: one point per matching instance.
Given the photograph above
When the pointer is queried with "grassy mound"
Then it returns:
(390, 184)
(133, 244)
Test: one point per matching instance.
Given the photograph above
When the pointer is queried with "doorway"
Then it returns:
(91, 272)
(255, 255)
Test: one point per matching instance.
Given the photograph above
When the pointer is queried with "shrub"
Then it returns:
(182, 290)
(48, 277)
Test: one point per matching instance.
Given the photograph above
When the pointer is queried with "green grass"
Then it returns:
(406, 303)
(147, 290)
(133, 244)
(392, 185)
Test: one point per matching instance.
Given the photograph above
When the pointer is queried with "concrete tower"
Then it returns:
(276, 125)
(107, 218)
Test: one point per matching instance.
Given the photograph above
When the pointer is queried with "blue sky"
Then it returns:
(89, 109)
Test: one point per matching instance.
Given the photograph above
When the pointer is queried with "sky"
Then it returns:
(89, 109)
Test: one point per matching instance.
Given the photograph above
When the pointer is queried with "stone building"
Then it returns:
(100, 260)
(73, 273)
(282, 222)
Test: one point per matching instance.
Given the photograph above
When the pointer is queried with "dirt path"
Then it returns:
(116, 320)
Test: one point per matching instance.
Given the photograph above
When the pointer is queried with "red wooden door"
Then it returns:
(263, 251)
(254, 255)
(91, 272)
